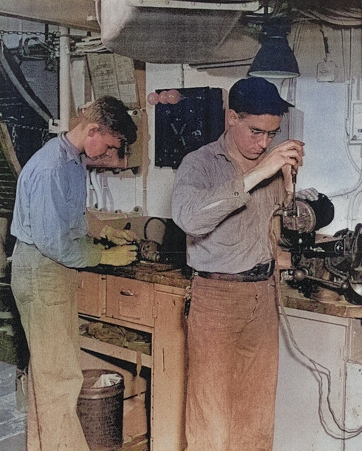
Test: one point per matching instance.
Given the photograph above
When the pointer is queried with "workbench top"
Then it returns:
(164, 275)
(333, 305)
(147, 272)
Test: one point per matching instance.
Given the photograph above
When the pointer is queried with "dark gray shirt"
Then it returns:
(228, 229)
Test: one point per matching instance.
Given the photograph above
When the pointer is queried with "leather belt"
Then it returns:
(257, 273)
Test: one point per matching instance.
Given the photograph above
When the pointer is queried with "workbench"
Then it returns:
(143, 298)
(140, 298)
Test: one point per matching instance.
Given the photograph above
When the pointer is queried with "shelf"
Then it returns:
(101, 347)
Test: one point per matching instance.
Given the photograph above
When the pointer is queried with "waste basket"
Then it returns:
(100, 409)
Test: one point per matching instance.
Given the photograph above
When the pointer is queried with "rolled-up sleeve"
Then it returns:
(202, 199)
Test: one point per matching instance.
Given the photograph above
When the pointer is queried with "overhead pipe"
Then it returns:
(64, 79)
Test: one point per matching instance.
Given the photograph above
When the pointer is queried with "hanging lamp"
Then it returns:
(275, 59)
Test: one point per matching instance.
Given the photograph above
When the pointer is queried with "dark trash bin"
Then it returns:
(100, 411)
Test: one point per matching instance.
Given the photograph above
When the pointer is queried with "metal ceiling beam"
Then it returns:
(79, 14)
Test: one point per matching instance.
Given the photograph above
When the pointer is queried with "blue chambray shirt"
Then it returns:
(50, 205)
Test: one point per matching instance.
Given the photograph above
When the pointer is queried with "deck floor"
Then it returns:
(12, 425)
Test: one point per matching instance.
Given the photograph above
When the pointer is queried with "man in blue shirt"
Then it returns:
(52, 241)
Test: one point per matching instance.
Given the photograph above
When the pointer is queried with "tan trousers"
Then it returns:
(233, 364)
(45, 294)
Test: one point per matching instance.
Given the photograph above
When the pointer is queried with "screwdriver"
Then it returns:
(294, 202)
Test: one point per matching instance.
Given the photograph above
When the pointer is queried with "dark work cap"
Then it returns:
(256, 95)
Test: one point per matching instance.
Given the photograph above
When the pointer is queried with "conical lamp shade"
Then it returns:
(275, 59)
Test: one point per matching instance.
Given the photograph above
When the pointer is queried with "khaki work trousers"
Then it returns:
(233, 347)
(46, 296)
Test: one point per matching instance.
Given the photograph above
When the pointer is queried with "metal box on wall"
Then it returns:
(198, 118)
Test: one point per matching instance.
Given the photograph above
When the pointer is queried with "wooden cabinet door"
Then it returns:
(91, 293)
(168, 372)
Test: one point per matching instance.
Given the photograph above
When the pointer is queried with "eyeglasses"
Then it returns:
(257, 133)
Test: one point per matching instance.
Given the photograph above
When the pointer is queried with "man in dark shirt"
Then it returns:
(224, 197)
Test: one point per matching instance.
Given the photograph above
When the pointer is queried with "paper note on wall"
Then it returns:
(113, 75)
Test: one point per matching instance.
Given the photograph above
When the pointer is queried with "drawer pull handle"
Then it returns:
(127, 293)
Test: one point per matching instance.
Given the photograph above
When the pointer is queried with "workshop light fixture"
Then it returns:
(275, 58)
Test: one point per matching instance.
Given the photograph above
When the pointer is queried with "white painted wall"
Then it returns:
(331, 165)
(327, 166)
(156, 195)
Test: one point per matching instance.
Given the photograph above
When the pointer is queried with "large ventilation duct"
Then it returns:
(170, 31)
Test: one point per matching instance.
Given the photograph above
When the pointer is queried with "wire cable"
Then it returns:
(319, 371)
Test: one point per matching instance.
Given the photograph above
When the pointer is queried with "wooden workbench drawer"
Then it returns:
(91, 294)
(130, 300)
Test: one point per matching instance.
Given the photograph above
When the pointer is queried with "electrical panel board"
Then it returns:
(197, 118)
